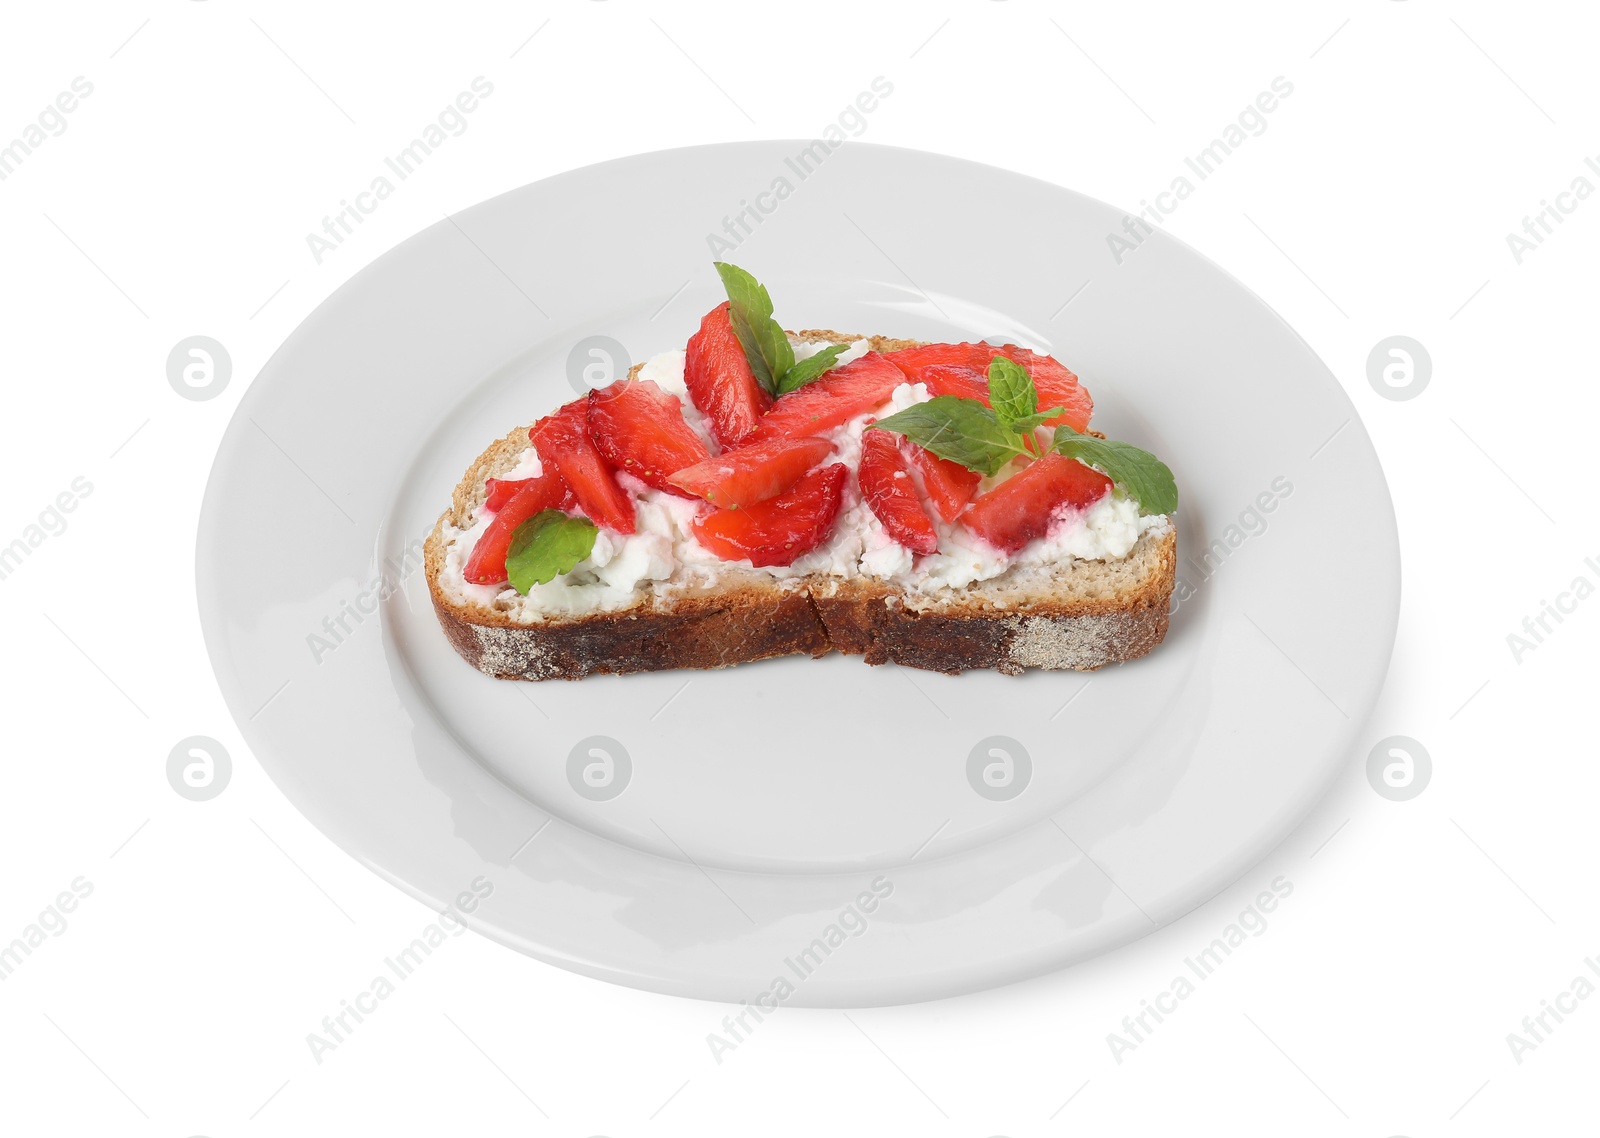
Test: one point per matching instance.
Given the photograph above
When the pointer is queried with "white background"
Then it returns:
(218, 934)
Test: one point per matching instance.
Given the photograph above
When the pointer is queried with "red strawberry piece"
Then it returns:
(720, 381)
(1057, 387)
(840, 395)
(889, 492)
(958, 380)
(949, 485)
(501, 491)
(781, 529)
(736, 479)
(1022, 507)
(639, 428)
(562, 440)
(486, 565)
(913, 360)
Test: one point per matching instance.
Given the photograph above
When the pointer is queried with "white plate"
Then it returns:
(760, 802)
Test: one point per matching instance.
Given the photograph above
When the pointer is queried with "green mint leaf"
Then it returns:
(1037, 419)
(1141, 474)
(809, 369)
(765, 346)
(547, 545)
(1011, 393)
(961, 430)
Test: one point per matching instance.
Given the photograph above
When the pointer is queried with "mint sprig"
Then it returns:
(765, 344)
(547, 545)
(965, 431)
(761, 337)
(1140, 474)
(961, 430)
(984, 439)
(1012, 394)
(810, 368)
(1014, 398)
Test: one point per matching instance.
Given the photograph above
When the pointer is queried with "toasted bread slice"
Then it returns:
(1073, 614)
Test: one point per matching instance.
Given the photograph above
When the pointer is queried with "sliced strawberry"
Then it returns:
(840, 395)
(720, 381)
(486, 565)
(740, 478)
(956, 379)
(562, 439)
(889, 492)
(502, 491)
(1022, 507)
(964, 354)
(949, 485)
(639, 428)
(1057, 387)
(779, 530)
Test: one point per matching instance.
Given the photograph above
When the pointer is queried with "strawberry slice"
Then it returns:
(958, 380)
(486, 565)
(720, 381)
(949, 485)
(1057, 386)
(639, 428)
(562, 440)
(740, 478)
(1022, 507)
(840, 395)
(502, 490)
(779, 530)
(889, 492)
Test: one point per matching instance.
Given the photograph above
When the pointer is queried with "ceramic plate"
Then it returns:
(863, 835)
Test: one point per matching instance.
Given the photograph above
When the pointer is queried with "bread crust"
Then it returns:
(753, 616)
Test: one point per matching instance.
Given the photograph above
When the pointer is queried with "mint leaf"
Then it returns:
(761, 337)
(985, 438)
(1141, 474)
(547, 545)
(809, 369)
(1011, 394)
(961, 430)
(1037, 419)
